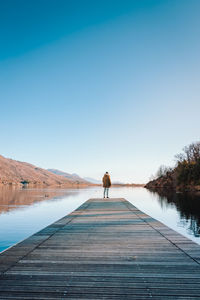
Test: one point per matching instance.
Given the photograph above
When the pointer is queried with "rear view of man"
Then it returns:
(106, 184)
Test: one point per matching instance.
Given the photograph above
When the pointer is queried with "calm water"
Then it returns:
(26, 211)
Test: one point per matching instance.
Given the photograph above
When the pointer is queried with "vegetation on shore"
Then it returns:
(185, 176)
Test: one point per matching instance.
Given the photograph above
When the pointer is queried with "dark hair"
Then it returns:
(106, 172)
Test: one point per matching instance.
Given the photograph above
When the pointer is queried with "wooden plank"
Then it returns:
(106, 249)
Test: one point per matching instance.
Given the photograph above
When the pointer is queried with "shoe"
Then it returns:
(107, 197)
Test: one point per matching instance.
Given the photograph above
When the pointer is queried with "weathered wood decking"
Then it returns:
(106, 249)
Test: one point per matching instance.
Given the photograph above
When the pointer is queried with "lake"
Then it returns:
(26, 211)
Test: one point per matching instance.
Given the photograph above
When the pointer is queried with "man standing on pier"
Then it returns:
(106, 184)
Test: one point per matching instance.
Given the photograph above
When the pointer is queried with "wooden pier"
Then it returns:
(106, 249)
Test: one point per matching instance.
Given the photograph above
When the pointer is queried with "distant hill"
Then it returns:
(92, 180)
(14, 172)
(114, 183)
(117, 182)
(73, 177)
(128, 184)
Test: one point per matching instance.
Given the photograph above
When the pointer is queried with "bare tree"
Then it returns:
(162, 171)
(180, 157)
(191, 153)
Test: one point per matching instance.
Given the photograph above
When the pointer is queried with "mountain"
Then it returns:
(73, 177)
(117, 182)
(92, 180)
(14, 172)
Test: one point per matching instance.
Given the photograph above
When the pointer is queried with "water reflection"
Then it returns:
(26, 211)
(188, 206)
(15, 198)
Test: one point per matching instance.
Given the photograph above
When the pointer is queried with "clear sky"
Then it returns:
(94, 86)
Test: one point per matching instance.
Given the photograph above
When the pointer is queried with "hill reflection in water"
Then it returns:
(15, 198)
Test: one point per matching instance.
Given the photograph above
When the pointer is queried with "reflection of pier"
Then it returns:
(106, 249)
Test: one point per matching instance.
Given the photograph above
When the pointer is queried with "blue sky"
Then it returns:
(91, 86)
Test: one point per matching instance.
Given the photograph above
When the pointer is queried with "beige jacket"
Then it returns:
(106, 181)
